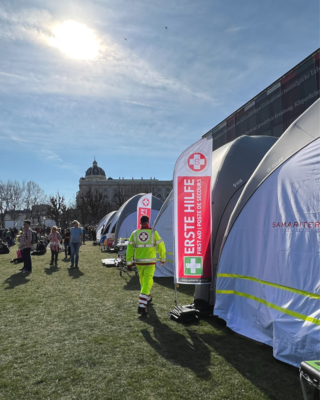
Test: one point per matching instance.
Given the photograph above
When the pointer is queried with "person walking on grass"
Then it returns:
(25, 247)
(144, 243)
(75, 243)
(54, 238)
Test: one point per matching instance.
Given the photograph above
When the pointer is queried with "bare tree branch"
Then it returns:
(57, 209)
(15, 197)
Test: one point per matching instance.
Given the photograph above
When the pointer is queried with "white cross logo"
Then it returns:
(143, 236)
(193, 265)
(197, 162)
(145, 202)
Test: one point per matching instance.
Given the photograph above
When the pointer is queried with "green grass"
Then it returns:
(77, 335)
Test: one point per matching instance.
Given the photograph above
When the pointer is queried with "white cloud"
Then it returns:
(235, 29)
(12, 75)
(118, 70)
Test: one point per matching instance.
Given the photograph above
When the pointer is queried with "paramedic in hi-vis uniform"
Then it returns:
(144, 243)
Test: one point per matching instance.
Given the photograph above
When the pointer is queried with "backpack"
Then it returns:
(34, 239)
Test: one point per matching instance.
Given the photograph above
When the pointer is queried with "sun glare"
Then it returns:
(75, 40)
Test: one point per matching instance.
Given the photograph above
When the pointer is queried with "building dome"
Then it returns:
(95, 172)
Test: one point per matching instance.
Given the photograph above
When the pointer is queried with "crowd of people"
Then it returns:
(143, 246)
(36, 241)
(8, 236)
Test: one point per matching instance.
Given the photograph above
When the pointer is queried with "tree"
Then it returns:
(92, 206)
(57, 208)
(35, 199)
(15, 197)
(120, 197)
(3, 202)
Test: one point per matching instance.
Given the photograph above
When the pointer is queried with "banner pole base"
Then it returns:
(175, 294)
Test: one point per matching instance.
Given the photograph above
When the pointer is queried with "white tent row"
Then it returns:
(120, 224)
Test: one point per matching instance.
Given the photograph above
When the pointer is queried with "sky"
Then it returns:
(133, 83)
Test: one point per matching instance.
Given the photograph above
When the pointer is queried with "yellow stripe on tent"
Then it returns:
(271, 305)
(169, 261)
(289, 289)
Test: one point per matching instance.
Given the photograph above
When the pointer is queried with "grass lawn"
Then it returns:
(76, 334)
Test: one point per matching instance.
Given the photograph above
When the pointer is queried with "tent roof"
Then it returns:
(232, 166)
(109, 221)
(103, 222)
(300, 133)
(129, 207)
(168, 200)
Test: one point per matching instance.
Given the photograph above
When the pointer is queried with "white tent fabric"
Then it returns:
(164, 226)
(268, 285)
(102, 223)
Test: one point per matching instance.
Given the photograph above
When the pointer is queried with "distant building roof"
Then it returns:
(95, 171)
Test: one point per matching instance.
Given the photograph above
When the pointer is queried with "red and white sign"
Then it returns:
(144, 237)
(192, 214)
(197, 162)
(144, 207)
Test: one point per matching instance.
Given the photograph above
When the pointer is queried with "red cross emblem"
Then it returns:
(143, 236)
(197, 162)
(145, 202)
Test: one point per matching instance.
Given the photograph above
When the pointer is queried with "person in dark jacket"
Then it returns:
(66, 241)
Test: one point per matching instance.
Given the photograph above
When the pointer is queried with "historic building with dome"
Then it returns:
(116, 191)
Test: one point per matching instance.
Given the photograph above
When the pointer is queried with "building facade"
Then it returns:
(273, 110)
(116, 191)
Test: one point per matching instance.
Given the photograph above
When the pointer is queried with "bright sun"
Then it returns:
(75, 40)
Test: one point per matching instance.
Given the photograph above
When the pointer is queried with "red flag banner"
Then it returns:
(144, 207)
(192, 214)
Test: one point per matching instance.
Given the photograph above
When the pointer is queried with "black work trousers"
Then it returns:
(27, 265)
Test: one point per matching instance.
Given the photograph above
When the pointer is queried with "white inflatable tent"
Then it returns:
(125, 219)
(232, 166)
(164, 225)
(102, 224)
(268, 284)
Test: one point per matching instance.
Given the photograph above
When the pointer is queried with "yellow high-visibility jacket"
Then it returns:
(143, 247)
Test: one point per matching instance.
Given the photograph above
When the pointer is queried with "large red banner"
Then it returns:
(194, 226)
(192, 214)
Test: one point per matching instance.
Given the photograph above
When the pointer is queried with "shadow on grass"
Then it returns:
(176, 348)
(169, 284)
(51, 270)
(132, 282)
(75, 273)
(16, 280)
(254, 361)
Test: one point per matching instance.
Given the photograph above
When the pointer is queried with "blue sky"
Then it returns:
(140, 102)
